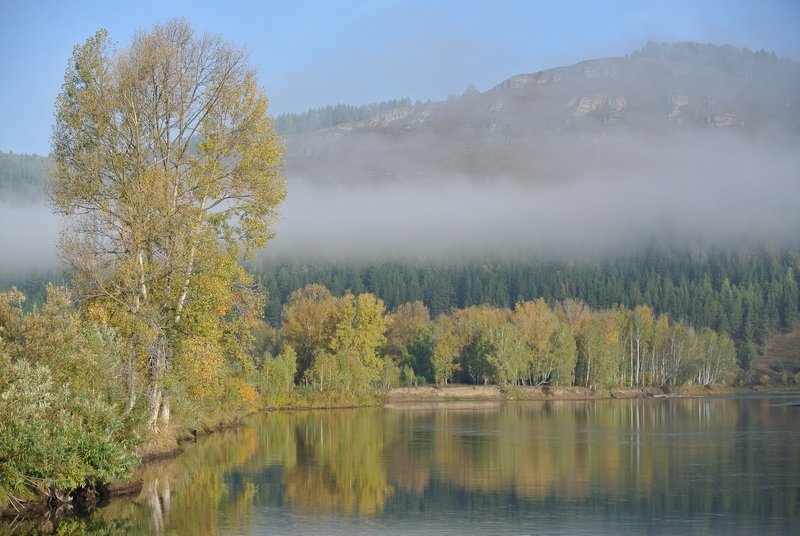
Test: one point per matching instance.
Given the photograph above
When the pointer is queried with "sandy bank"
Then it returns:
(495, 392)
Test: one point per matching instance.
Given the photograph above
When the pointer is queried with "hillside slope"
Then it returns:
(549, 125)
(781, 356)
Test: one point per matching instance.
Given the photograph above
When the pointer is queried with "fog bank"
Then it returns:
(621, 193)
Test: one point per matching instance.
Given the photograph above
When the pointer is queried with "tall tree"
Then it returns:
(167, 167)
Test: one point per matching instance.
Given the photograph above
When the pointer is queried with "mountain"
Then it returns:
(547, 125)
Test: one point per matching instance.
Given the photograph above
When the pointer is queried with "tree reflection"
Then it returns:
(340, 465)
(652, 458)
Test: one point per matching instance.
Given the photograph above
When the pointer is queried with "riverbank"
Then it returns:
(517, 392)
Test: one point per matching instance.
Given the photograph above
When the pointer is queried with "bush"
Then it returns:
(407, 377)
(63, 417)
(53, 440)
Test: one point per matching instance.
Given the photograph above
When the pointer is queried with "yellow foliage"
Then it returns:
(199, 367)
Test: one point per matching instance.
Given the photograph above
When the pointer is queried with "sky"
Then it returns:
(314, 53)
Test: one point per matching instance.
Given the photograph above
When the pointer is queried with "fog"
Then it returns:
(28, 237)
(621, 193)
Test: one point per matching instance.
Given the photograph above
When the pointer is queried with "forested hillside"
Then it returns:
(557, 124)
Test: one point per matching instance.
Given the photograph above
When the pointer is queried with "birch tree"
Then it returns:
(167, 169)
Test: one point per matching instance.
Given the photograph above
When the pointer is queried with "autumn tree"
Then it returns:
(359, 332)
(599, 352)
(167, 168)
(446, 348)
(638, 334)
(309, 321)
(716, 359)
(477, 329)
(407, 322)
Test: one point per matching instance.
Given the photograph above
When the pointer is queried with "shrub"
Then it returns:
(52, 439)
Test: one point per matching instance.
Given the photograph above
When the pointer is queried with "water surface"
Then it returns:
(655, 466)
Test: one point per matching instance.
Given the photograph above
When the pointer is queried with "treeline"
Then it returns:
(747, 293)
(22, 176)
(348, 344)
(733, 58)
(332, 115)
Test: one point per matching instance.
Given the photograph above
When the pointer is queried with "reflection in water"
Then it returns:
(647, 466)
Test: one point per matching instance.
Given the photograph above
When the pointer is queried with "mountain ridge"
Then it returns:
(512, 128)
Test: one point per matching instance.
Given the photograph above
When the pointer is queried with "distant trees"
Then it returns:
(337, 340)
(22, 176)
(746, 292)
(167, 168)
(332, 115)
(350, 342)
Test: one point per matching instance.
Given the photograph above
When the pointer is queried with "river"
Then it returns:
(642, 466)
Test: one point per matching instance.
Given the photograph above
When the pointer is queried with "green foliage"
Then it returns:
(746, 354)
(777, 366)
(407, 376)
(277, 377)
(63, 421)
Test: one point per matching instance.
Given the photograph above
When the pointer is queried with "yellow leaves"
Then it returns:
(246, 395)
(309, 319)
(351, 328)
(537, 323)
(199, 368)
(360, 328)
(446, 348)
(99, 312)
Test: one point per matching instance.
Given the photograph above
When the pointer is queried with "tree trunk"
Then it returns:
(131, 380)
(155, 407)
(159, 401)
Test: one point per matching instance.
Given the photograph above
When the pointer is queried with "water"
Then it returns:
(657, 466)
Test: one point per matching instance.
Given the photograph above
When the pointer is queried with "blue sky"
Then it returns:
(310, 54)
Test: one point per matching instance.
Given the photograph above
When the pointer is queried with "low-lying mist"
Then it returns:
(623, 193)
(28, 237)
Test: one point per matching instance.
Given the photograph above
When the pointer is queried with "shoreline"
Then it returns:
(403, 395)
